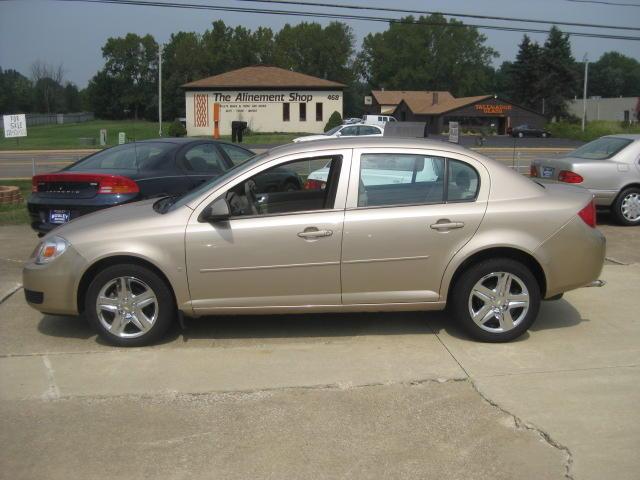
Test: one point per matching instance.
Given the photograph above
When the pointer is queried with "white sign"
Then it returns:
(15, 126)
(122, 138)
(368, 100)
(453, 132)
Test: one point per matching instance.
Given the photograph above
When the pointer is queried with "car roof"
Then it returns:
(183, 140)
(629, 136)
(367, 142)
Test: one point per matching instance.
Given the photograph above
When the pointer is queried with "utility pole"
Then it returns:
(160, 89)
(584, 92)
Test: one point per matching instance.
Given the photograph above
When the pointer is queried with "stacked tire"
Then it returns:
(10, 195)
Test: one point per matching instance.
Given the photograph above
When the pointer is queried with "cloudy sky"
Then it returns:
(73, 33)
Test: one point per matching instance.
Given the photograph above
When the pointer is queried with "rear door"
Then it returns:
(400, 233)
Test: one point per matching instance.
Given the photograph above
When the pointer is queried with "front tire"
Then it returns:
(129, 305)
(626, 208)
(496, 300)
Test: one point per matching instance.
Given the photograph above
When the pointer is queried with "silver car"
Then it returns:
(609, 167)
(447, 228)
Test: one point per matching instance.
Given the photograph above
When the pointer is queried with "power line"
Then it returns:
(448, 14)
(601, 2)
(298, 13)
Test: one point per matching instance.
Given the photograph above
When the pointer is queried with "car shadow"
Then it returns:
(553, 315)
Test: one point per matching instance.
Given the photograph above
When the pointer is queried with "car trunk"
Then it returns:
(61, 186)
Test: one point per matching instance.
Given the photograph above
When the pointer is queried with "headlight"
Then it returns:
(49, 250)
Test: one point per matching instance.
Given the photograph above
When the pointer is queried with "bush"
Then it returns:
(593, 129)
(176, 129)
(334, 120)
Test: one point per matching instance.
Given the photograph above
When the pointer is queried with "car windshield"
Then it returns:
(187, 197)
(131, 156)
(333, 130)
(601, 149)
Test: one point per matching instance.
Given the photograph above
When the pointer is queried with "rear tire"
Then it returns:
(129, 305)
(626, 208)
(501, 294)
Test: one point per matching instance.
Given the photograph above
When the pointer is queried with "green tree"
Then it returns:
(524, 75)
(72, 100)
(16, 92)
(613, 75)
(558, 81)
(104, 96)
(133, 61)
(429, 53)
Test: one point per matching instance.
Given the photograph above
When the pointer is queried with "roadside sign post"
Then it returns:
(122, 138)
(15, 126)
(453, 132)
(103, 137)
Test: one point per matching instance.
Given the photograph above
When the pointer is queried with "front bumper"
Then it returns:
(53, 287)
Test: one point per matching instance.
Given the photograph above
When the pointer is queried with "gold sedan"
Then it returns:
(376, 224)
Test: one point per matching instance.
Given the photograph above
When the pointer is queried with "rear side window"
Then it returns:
(236, 154)
(204, 158)
(601, 149)
(400, 179)
(132, 156)
(463, 182)
(368, 130)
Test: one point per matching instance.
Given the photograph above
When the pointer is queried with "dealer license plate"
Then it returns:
(547, 172)
(59, 216)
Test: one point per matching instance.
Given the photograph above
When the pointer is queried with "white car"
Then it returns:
(357, 130)
(380, 120)
(397, 170)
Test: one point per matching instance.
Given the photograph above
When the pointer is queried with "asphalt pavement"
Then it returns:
(375, 395)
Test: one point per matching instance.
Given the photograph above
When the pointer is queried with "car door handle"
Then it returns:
(446, 224)
(315, 233)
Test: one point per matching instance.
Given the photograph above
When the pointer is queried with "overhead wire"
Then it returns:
(335, 16)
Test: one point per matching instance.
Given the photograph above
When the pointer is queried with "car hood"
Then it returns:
(123, 220)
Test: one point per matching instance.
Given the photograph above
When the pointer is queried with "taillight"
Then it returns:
(567, 176)
(312, 184)
(588, 214)
(115, 184)
(533, 171)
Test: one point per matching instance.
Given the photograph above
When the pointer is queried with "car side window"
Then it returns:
(349, 131)
(237, 155)
(298, 186)
(204, 158)
(368, 130)
(463, 182)
(400, 179)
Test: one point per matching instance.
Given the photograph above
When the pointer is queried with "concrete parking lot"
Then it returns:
(398, 395)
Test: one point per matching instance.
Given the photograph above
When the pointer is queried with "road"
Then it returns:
(23, 164)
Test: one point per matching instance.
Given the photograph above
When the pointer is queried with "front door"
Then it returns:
(278, 249)
(407, 215)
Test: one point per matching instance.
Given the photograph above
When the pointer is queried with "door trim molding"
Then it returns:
(267, 267)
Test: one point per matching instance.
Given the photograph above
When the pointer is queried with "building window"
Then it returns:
(285, 112)
(303, 112)
(318, 112)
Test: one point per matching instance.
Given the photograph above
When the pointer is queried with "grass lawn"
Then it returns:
(594, 129)
(16, 214)
(68, 136)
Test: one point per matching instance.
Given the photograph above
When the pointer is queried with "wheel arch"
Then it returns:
(103, 263)
(502, 252)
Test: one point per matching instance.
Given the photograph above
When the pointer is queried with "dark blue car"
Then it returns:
(135, 171)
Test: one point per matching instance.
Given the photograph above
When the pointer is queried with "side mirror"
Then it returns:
(218, 211)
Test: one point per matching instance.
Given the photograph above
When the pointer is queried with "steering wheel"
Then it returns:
(250, 194)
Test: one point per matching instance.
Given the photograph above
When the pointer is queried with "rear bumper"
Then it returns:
(39, 208)
(572, 258)
(52, 288)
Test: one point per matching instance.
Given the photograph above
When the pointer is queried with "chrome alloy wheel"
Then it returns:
(499, 302)
(630, 207)
(127, 307)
